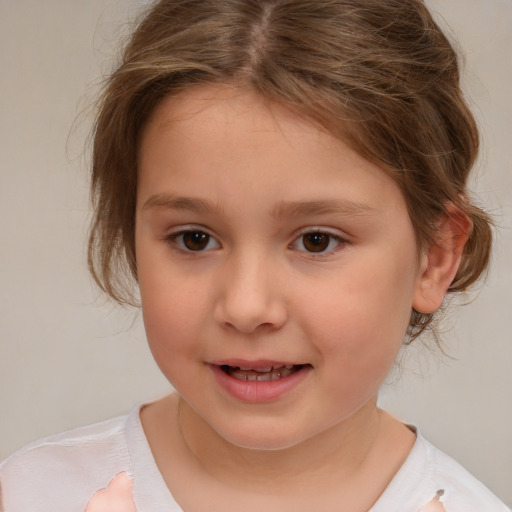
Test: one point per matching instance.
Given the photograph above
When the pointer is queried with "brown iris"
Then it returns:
(195, 240)
(316, 242)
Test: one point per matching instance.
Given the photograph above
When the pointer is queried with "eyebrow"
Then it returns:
(172, 202)
(322, 207)
(283, 209)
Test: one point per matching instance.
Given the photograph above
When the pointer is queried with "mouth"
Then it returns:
(261, 381)
(261, 374)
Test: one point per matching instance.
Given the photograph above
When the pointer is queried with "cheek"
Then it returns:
(171, 328)
(361, 316)
(171, 308)
(169, 315)
(357, 346)
(170, 297)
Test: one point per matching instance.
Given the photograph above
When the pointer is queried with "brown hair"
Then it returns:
(382, 75)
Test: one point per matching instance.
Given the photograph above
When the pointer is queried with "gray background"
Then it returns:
(68, 358)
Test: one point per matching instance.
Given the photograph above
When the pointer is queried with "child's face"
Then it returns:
(265, 242)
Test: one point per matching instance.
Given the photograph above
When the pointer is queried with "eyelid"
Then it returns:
(341, 238)
(177, 231)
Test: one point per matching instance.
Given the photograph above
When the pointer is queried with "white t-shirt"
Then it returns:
(62, 473)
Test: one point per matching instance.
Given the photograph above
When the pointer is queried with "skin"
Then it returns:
(257, 179)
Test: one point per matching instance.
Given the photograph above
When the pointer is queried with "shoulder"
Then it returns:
(64, 469)
(463, 492)
(79, 446)
(430, 480)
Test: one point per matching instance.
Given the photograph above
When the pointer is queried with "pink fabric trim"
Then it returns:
(434, 505)
(116, 497)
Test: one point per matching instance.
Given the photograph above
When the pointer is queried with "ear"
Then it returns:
(440, 261)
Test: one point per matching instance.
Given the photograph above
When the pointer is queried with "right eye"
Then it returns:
(193, 241)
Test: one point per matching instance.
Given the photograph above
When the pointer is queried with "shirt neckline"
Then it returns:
(150, 492)
(411, 486)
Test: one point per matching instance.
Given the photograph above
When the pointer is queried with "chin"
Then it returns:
(261, 437)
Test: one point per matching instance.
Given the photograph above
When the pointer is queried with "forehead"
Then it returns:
(223, 108)
(217, 140)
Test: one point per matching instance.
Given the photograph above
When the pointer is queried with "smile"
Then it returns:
(260, 374)
(261, 381)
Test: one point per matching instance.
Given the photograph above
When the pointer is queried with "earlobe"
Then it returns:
(440, 261)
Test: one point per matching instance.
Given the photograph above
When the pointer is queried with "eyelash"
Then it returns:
(176, 240)
(331, 237)
(179, 245)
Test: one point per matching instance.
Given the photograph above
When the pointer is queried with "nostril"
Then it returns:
(252, 326)
(248, 300)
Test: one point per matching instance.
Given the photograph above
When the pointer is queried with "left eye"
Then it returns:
(194, 241)
(317, 242)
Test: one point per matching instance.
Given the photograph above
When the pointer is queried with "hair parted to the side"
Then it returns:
(381, 75)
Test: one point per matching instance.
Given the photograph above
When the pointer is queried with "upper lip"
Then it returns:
(258, 364)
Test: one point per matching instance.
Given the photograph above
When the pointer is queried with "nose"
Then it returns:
(251, 296)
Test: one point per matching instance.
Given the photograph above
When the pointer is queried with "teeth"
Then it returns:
(264, 370)
(261, 374)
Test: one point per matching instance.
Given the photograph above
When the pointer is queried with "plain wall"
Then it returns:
(67, 358)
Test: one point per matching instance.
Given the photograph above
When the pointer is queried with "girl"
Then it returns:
(286, 183)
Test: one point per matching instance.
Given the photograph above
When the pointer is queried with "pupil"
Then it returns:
(195, 240)
(316, 242)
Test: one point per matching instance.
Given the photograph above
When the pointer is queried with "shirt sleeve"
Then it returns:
(62, 473)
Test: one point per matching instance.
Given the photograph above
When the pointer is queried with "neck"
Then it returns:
(339, 454)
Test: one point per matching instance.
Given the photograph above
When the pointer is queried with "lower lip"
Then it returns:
(258, 392)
